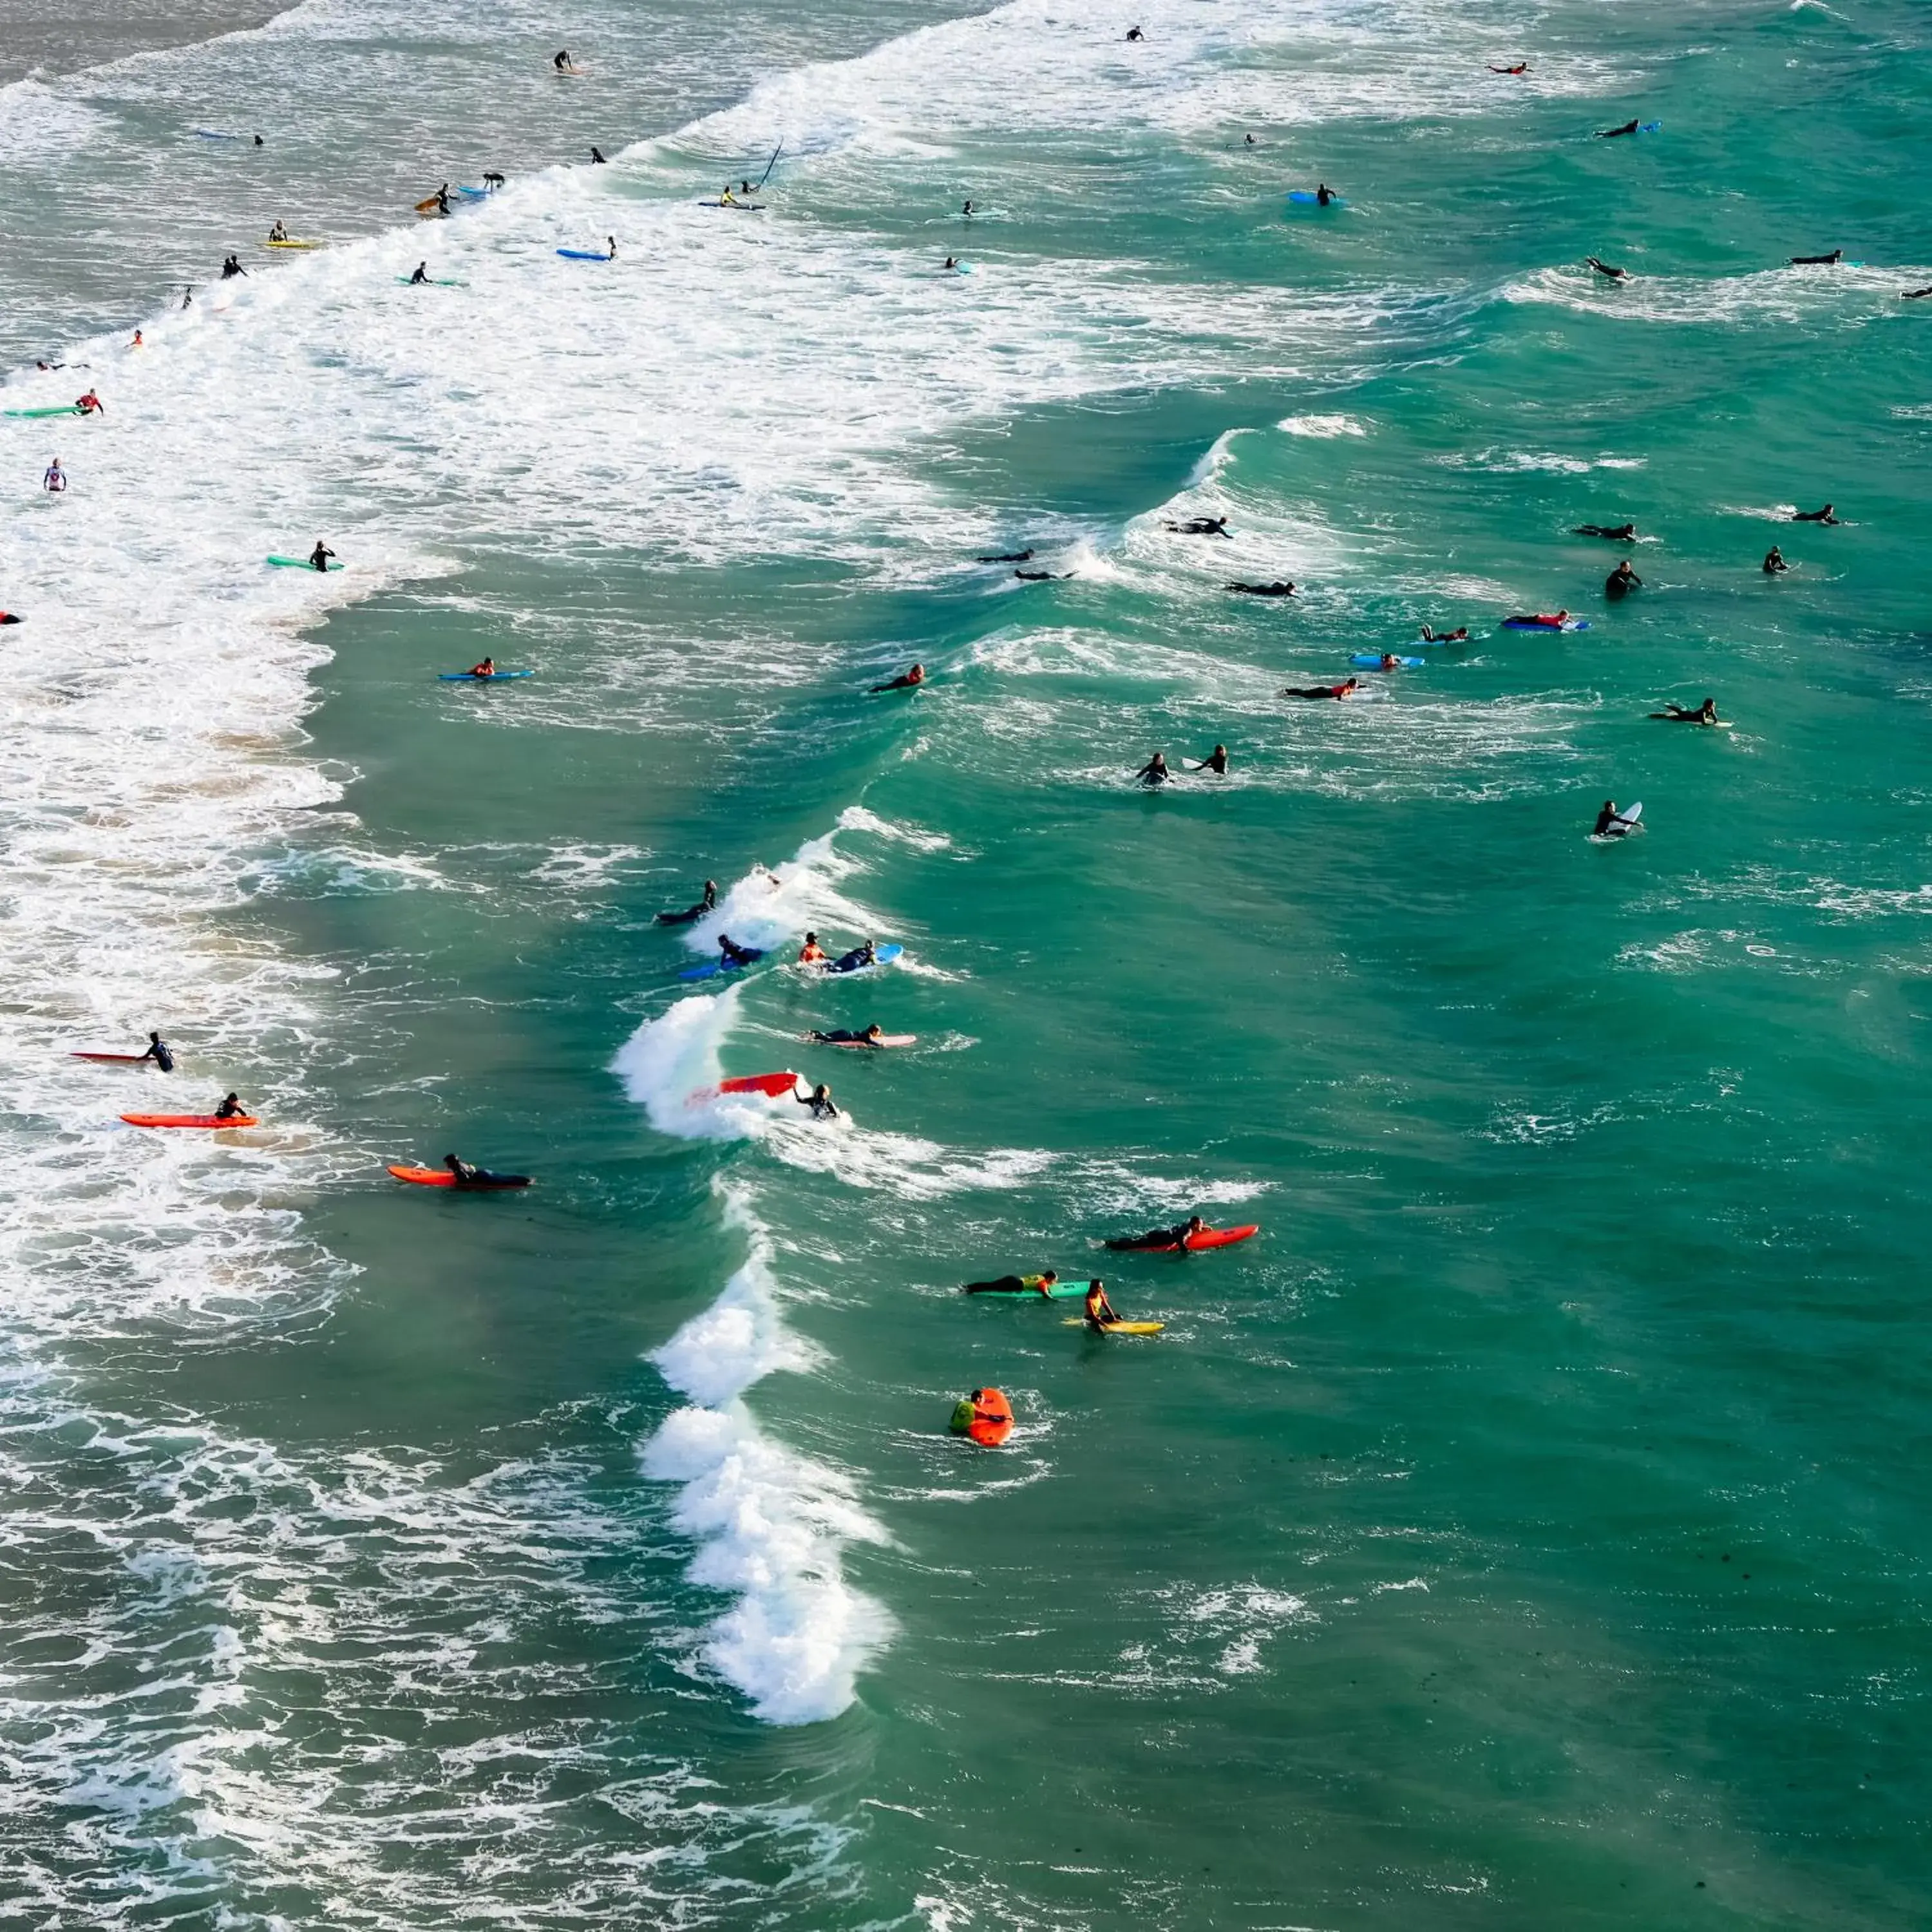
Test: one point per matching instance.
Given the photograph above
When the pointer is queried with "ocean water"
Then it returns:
(1526, 1530)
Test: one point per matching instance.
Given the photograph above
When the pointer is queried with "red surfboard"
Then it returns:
(190, 1120)
(770, 1084)
(441, 1176)
(119, 1059)
(1208, 1237)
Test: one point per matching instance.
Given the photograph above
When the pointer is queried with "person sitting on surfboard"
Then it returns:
(730, 953)
(859, 955)
(90, 405)
(1459, 636)
(1621, 581)
(278, 233)
(819, 1101)
(1099, 1311)
(488, 668)
(1706, 713)
(157, 1051)
(1828, 515)
(1216, 761)
(1154, 773)
(229, 1107)
(873, 1036)
(1774, 562)
(1609, 820)
(726, 198)
(1016, 1284)
(908, 680)
(811, 953)
(319, 557)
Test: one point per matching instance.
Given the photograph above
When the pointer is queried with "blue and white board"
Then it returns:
(1304, 197)
(712, 968)
(884, 955)
(480, 677)
(1370, 661)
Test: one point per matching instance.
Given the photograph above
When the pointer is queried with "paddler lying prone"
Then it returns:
(874, 1035)
(1017, 1284)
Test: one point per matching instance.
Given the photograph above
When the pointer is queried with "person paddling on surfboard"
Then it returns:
(1175, 1237)
(1346, 689)
(1154, 773)
(230, 1108)
(319, 557)
(909, 680)
(1201, 526)
(707, 904)
(819, 1101)
(1604, 268)
(874, 1035)
(1616, 532)
(867, 955)
(1706, 713)
(1459, 636)
(1098, 1309)
(1818, 261)
(730, 953)
(1611, 133)
(464, 1172)
(1621, 581)
(1828, 515)
(1774, 562)
(1541, 620)
(1521, 68)
(1041, 1285)
(157, 1051)
(1011, 556)
(1280, 587)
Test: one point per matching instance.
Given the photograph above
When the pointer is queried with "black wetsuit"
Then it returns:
(1011, 556)
(158, 1053)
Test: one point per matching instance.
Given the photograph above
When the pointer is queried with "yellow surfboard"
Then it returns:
(1118, 1327)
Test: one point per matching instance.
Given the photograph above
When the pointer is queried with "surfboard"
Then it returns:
(113, 1059)
(58, 409)
(1117, 1328)
(1373, 662)
(441, 1176)
(988, 1422)
(292, 243)
(769, 1084)
(749, 207)
(712, 968)
(189, 1121)
(867, 1046)
(1523, 624)
(582, 255)
(429, 282)
(1304, 197)
(480, 677)
(297, 563)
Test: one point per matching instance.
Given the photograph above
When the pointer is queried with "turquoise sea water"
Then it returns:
(1526, 1530)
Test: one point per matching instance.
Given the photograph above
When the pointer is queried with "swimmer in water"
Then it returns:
(1459, 636)
(1216, 761)
(908, 680)
(1611, 133)
(1135, 33)
(1154, 773)
(1621, 581)
(819, 1101)
(1604, 268)
(1616, 532)
(1201, 526)
(1706, 713)
(1775, 564)
(1280, 587)
(1346, 689)
(55, 479)
(1818, 261)
(1828, 515)
(319, 557)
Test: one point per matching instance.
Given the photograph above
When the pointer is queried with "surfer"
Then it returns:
(90, 405)
(857, 960)
(874, 1035)
(1389, 661)
(278, 233)
(596, 156)
(611, 245)
(464, 1172)
(1706, 713)
(1616, 532)
(1216, 761)
(811, 953)
(1154, 773)
(730, 953)
(1818, 261)
(966, 209)
(319, 557)
(1280, 587)
(231, 267)
(1828, 515)
(951, 262)
(1774, 565)
(1346, 689)
(1521, 68)
(1604, 268)
(1201, 526)
(1099, 1311)
(443, 198)
(488, 668)
(1011, 556)
(1175, 1237)
(230, 1108)
(563, 63)
(708, 903)
(819, 1101)
(1611, 133)
(1608, 820)
(55, 479)
(1459, 635)
(494, 179)
(1135, 33)
(1015, 1284)
(421, 274)
(1044, 576)
(1541, 620)
(187, 296)
(157, 1051)
(908, 680)
(8, 617)
(1914, 295)
(1325, 194)
(1621, 581)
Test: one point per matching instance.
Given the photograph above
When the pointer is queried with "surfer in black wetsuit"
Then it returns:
(1280, 587)
(871, 1036)
(1521, 68)
(1621, 581)
(1346, 689)
(563, 63)
(691, 913)
(230, 1108)
(1774, 565)
(1015, 1284)
(1616, 533)
(1175, 1237)
(1325, 194)
(1154, 773)
(908, 680)
(1201, 526)
(1611, 133)
(231, 267)
(464, 1173)
(1818, 261)
(597, 157)
(1043, 576)
(1706, 713)
(859, 956)
(421, 274)
(319, 557)
(1135, 33)
(1459, 636)
(1914, 295)
(819, 1101)
(1604, 268)
(157, 1051)
(951, 262)
(730, 953)
(1828, 515)
(1011, 556)
(968, 209)
(1216, 761)
(1608, 820)
(443, 198)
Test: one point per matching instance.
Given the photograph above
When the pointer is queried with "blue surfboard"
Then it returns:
(1304, 197)
(712, 968)
(884, 955)
(1371, 661)
(582, 255)
(477, 677)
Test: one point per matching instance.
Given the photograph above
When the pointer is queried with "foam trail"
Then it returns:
(669, 1067)
(770, 1524)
